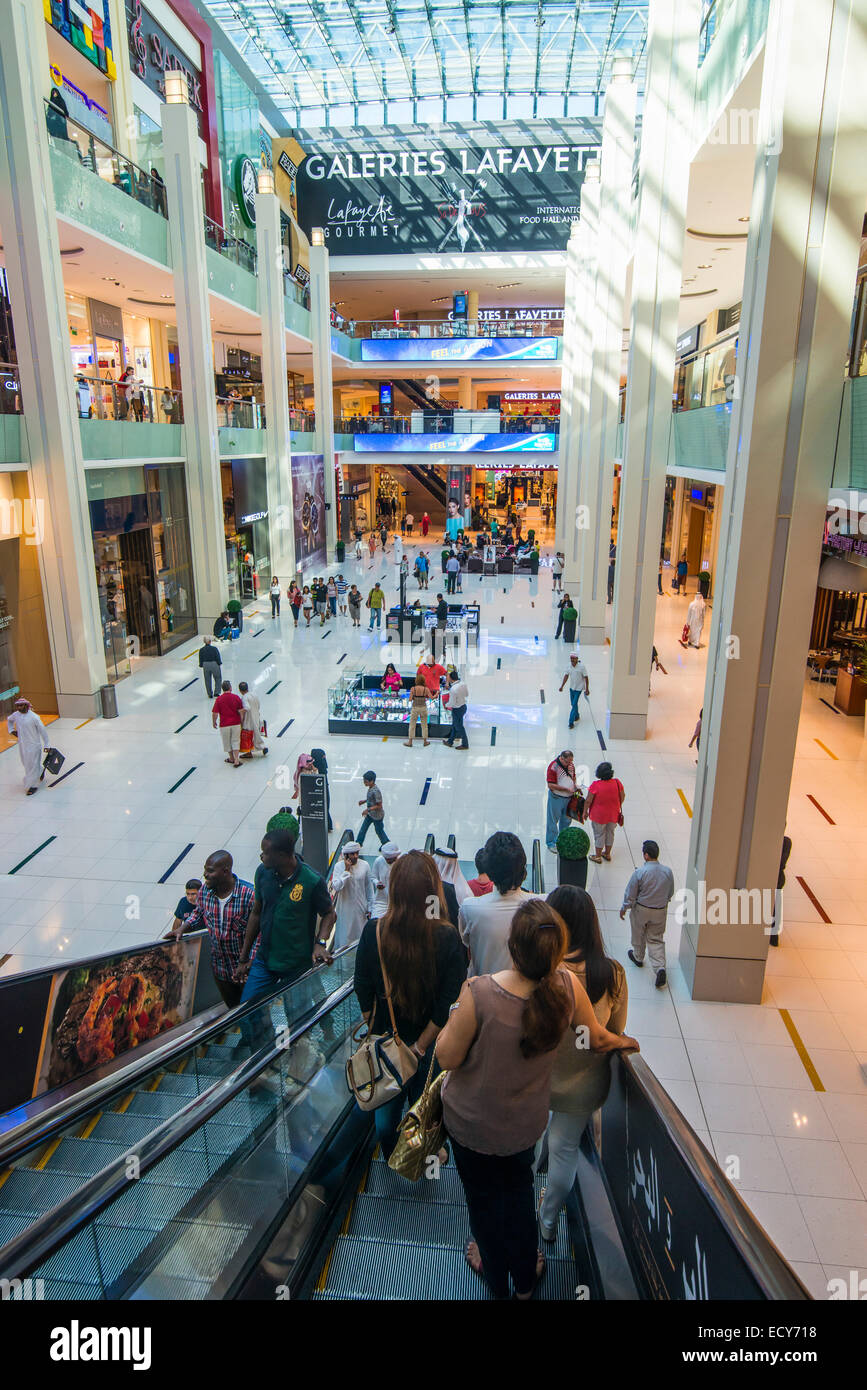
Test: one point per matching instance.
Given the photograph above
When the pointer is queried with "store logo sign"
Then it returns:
(244, 184)
(253, 516)
(152, 54)
(289, 169)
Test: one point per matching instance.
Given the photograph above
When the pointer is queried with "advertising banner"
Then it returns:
(308, 504)
(453, 188)
(455, 443)
(459, 349)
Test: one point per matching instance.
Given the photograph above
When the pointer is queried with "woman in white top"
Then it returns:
(274, 594)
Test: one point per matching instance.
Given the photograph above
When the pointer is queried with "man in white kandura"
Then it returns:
(25, 725)
(387, 856)
(695, 618)
(352, 891)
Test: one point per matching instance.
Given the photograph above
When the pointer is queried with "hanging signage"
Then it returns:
(455, 443)
(458, 349)
(489, 316)
(301, 276)
(244, 186)
(688, 342)
(83, 108)
(458, 190)
(531, 396)
(289, 169)
(106, 320)
(152, 54)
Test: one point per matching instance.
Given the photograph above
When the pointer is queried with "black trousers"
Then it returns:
(501, 1202)
(230, 992)
(457, 729)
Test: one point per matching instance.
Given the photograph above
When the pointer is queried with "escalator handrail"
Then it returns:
(45, 1126)
(27, 1250)
(429, 843)
(537, 878)
(755, 1247)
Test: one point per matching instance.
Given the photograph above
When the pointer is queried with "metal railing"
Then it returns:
(232, 247)
(706, 377)
(292, 290)
(233, 413)
(304, 421)
(10, 389)
(101, 398)
(438, 423)
(446, 328)
(714, 12)
(78, 143)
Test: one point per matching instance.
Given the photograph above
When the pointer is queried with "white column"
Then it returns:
(320, 314)
(571, 461)
(676, 521)
(29, 221)
(278, 445)
(809, 195)
(567, 378)
(614, 238)
(186, 225)
(713, 557)
(667, 126)
(465, 393)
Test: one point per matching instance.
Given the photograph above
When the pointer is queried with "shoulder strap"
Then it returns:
(386, 985)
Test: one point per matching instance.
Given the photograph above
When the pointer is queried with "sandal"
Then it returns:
(595, 858)
(473, 1258)
(541, 1266)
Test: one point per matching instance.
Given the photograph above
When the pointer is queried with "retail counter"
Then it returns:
(357, 705)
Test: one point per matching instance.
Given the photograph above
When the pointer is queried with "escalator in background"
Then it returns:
(430, 480)
(424, 398)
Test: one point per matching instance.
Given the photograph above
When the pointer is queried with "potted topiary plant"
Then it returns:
(704, 583)
(570, 618)
(573, 845)
(236, 613)
(534, 561)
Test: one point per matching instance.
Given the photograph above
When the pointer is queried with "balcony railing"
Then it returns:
(707, 377)
(446, 423)
(714, 10)
(304, 422)
(101, 398)
(74, 141)
(292, 290)
(232, 247)
(10, 389)
(233, 413)
(446, 328)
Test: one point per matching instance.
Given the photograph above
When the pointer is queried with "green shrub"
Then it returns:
(570, 614)
(233, 606)
(573, 843)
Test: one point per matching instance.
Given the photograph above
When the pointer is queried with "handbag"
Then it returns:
(422, 1131)
(52, 762)
(575, 807)
(378, 1071)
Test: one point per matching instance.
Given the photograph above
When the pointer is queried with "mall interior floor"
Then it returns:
(777, 1090)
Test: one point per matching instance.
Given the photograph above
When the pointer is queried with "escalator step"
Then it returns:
(62, 1289)
(215, 1139)
(366, 1269)
(198, 1250)
(146, 1205)
(83, 1156)
(158, 1103)
(189, 1168)
(26, 1190)
(384, 1183)
(12, 1223)
(106, 1249)
(183, 1084)
(122, 1129)
(382, 1218)
(214, 1064)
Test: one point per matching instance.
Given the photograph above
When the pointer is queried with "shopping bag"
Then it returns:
(246, 740)
(684, 636)
(52, 762)
(263, 728)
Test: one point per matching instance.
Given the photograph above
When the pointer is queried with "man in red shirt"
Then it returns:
(431, 673)
(227, 712)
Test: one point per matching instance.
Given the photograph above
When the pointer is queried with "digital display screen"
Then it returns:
(458, 349)
(455, 443)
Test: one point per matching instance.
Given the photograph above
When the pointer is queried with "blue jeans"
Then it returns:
(557, 818)
(332, 604)
(574, 697)
(260, 982)
(375, 615)
(379, 827)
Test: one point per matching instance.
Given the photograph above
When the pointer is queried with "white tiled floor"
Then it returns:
(798, 1155)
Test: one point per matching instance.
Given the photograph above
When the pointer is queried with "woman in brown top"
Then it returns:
(580, 1080)
(499, 1046)
(418, 711)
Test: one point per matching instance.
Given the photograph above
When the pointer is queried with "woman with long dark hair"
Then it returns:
(425, 964)
(580, 1079)
(500, 1044)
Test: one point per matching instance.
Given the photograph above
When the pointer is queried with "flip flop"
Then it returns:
(476, 1268)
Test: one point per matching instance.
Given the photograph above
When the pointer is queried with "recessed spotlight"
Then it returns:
(705, 265)
(743, 219)
(512, 285)
(722, 248)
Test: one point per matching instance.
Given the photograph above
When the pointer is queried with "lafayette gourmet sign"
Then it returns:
(477, 191)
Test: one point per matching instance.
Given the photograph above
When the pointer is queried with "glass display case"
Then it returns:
(358, 705)
(462, 617)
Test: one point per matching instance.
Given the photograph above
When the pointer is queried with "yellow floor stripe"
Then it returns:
(48, 1152)
(90, 1125)
(686, 805)
(125, 1103)
(802, 1052)
(86, 721)
(827, 750)
(188, 655)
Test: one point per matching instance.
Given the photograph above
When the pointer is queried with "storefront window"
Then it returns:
(245, 516)
(25, 656)
(137, 347)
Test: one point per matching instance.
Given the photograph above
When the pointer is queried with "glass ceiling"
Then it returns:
(348, 62)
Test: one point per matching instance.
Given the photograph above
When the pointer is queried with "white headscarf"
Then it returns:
(450, 872)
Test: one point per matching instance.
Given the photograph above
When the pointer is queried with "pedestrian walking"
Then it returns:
(603, 808)
(252, 723)
(409, 523)
(425, 524)
(375, 602)
(222, 906)
(646, 898)
(331, 594)
(25, 725)
(695, 616)
(419, 695)
(456, 697)
(352, 891)
(371, 544)
(393, 509)
(320, 597)
(682, 568)
(307, 603)
(579, 682)
(354, 603)
(453, 569)
(422, 566)
(382, 867)
(374, 814)
(274, 595)
(358, 549)
(210, 663)
(562, 786)
(558, 565)
(296, 600)
(227, 712)
(565, 602)
(342, 588)
(383, 536)
(696, 733)
(442, 619)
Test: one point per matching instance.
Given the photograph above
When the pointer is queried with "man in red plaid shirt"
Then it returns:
(223, 906)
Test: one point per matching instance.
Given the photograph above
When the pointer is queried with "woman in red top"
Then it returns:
(605, 797)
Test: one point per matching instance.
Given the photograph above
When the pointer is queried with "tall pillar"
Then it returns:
(676, 521)
(713, 557)
(186, 227)
(57, 479)
(320, 315)
(809, 195)
(465, 393)
(278, 443)
(614, 239)
(667, 125)
(575, 385)
(473, 311)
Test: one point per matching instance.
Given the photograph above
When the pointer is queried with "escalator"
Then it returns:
(424, 398)
(236, 1164)
(430, 480)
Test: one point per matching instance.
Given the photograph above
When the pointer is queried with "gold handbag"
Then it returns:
(421, 1132)
(383, 1064)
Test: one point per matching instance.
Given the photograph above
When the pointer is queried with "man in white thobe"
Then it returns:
(252, 718)
(24, 723)
(352, 891)
(695, 617)
(381, 870)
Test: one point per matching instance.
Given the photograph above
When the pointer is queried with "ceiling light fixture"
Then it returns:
(704, 265)
(743, 219)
